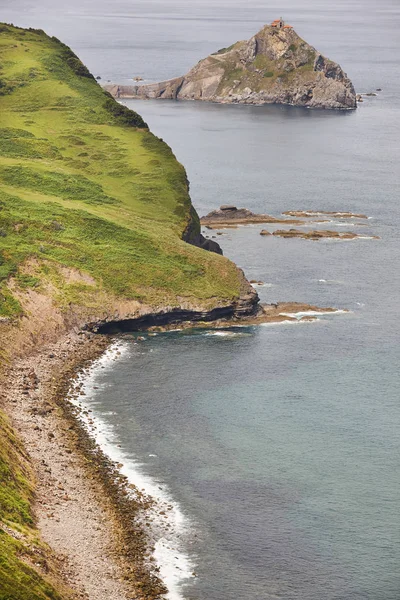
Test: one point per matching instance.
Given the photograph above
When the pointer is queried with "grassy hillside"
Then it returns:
(92, 211)
(84, 184)
(20, 550)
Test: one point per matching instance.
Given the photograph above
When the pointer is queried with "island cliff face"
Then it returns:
(274, 66)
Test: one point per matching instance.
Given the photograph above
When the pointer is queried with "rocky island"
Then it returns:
(274, 66)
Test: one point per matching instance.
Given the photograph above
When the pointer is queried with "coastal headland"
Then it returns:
(275, 66)
(97, 234)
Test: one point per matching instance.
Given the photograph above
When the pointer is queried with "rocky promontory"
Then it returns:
(274, 66)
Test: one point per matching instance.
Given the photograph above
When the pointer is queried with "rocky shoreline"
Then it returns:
(90, 516)
(84, 509)
(265, 313)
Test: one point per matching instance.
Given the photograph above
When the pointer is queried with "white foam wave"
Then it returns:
(312, 313)
(330, 281)
(222, 333)
(228, 334)
(219, 333)
(333, 240)
(169, 525)
(288, 322)
(347, 224)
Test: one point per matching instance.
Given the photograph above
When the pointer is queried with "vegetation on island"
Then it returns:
(296, 62)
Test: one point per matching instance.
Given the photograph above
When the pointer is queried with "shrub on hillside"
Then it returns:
(78, 67)
(5, 88)
(123, 114)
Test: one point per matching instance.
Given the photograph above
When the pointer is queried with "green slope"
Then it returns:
(84, 184)
(20, 548)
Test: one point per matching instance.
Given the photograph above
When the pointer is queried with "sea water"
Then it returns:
(278, 445)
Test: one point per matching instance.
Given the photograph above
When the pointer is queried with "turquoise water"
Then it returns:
(281, 446)
(280, 443)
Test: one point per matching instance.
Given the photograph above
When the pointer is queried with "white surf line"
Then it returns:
(290, 322)
(331, 281)
(344, 239)
(326, 224)
(313, 313)
(343, 224)
(327, 215)
(168, 523)
(227, 334)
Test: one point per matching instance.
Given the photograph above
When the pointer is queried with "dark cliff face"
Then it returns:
(192, 235)
(274, 66)
(246, 306)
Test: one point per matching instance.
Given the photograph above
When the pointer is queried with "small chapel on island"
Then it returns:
(280, 24)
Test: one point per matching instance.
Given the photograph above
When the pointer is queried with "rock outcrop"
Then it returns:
(319, 234)
(245, 306)
(220, 318)
(329, 213)
(230, 215)
(192, 235)
(274, 66)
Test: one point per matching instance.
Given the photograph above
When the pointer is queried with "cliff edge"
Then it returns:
(96, 227)
(274, 66)
(96, 221)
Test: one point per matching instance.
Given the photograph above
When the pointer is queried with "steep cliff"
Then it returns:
(274, 66)
(94, 214)
(95, 210)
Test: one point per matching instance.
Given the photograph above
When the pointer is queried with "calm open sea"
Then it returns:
(279, 444)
